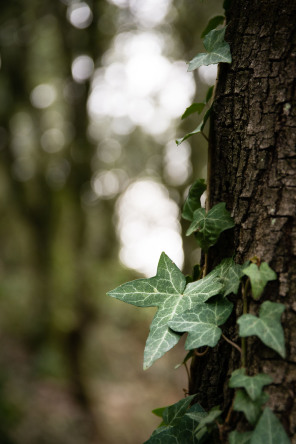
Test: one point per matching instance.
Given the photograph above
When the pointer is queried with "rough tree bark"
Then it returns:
(253, 170)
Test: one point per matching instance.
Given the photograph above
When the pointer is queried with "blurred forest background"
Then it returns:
(91, 94)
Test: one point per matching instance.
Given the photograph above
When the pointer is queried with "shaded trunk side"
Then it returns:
(253, 170)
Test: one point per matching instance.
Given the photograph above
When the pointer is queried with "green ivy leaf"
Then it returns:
(252, 384)
(269, 430)
(187, 357)
(267, 327)
(201, 323)
(213, 23)
(180, 433)
(251, 409)
(209, 93)
(166, 291)
(194, 108)
(192, 201)
(198, 129)
(229, 273)
(240, 438)
(208, 226)
(159, 411)
(211, 417)
(217, 50)
(259, 277)
(173, 413)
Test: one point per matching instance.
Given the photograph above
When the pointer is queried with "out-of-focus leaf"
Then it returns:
(259, 276)
(252, 384)
(213, 23)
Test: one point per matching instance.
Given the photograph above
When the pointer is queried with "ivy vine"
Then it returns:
(200, 307)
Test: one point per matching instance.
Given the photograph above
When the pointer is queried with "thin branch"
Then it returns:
(201, 353)
(232, 343)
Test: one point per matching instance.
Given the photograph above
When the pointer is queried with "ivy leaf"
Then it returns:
(159, 411)
(192, 201)
(217, 50)
(251, 409)
(252, 384)
(269, 430)
(208, 226)
(209, 93)
(187, 357)
(267, 327)
(240, 438)
(194, 108)
(229, 274)
(259, 277)
(183, 430)
(201, 323)
(173, 413)
(198, 129)
(213, 23)
(166, 291)
(211, 417)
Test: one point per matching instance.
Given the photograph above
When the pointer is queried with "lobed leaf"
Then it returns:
(173, 413)
(229, 273)
(217, 50)
(208, 226)
(201, 323)
(192, 201)
(259, 276)
(267, 327)
(269, 430)
(198, 129)
(252, 384)
(213, 23)
(194, 108)
(251, 409)
(211, 417)
(167, 291)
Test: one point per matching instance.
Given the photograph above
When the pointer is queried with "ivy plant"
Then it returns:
(200, 306)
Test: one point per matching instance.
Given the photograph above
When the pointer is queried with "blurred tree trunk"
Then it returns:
(253, 170)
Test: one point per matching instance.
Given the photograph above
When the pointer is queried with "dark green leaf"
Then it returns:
(252, 384)
(198, 129)
(251, 409)
(166, 291)
(267, 327)
(240, 438)
(259, 276)
(194, 108)
(217, 50)
(187, 357)
(213, 23)
(201, 323)
(209, 419)
(208, 226)
(173, 413)
(159, 411)
(209, 93)
(269, 430)
(229, 274)
(192, 202)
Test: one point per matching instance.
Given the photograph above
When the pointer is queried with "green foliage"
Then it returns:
(213, 23)
(208, 226)
(217, 50)
(269, 430)
(251, 409)
(240, 438)
(192, 201)
(259, 276)
(202, 322)
(252, 384)
(178, 426)
(198, 129)
(167, 292)
(267, 327)
(229, 274)
(194, 108)
(211, 417)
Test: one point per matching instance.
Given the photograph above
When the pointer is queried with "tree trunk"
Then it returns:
(253, 169)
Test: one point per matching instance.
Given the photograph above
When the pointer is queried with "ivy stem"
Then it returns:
(205, 136)
(201, 353)
(245, 289)
(205, 269)
(232, 343)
